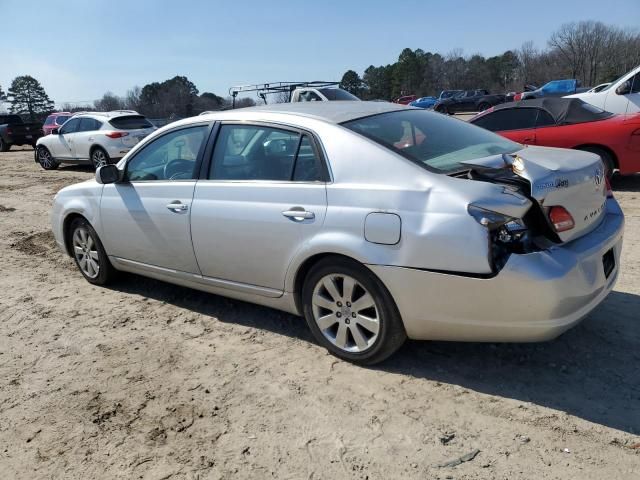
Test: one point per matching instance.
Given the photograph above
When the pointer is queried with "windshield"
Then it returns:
(432, 140)
(337, 94)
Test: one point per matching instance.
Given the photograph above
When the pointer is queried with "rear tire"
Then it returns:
(483, 106)
(99, 158)
(4, 146)
(45, 159)
(355, 318)
(607, 159)
(89, 254)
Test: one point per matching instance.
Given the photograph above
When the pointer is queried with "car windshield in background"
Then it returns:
(61, 119)
(432, 140)
(130, 122)
(337, 94)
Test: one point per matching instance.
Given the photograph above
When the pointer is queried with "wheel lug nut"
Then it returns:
(353, 314)
(338, 314)
(339, 304)
(348, 304)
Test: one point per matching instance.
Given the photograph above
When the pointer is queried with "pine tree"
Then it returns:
(2, 94)
(27, 97)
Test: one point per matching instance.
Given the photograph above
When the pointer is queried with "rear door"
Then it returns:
(145, 218)
(263, 197)
(84, 137)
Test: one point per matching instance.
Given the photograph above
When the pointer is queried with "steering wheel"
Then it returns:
(178, 169)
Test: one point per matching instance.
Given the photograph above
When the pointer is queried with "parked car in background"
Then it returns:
(93, 138)
(308, 94)
(424, 102)
(569, 123)
(319, 209)
(468, 101)
(13, 131)
(55, 120)
(555, 88)
(448, 94)
(622, 96)
(517, 96)
(405, 100)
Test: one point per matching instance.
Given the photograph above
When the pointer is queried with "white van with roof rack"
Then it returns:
(95, 138)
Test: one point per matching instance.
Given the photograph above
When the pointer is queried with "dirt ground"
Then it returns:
(148, 380)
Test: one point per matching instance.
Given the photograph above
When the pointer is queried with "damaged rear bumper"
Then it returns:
(535, 297)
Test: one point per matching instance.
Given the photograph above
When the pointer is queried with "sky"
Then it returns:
(79, 49)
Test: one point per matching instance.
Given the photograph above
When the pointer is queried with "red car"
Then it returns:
(405, 100)
(569, 123)
(55, 120)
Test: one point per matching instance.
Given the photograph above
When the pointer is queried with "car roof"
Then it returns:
(332, 111)
(112, 114)
(563, 110)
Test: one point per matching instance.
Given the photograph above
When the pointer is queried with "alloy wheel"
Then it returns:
(86, 252)
(99, 158)
(44, 158)
(345, 312)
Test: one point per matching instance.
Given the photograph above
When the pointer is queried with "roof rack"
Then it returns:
(264, 89)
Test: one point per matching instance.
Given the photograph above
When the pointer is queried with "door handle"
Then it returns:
(298, 214)
(177, 207)
(529, 139)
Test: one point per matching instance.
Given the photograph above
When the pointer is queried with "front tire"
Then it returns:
(45, 159)
(99, 157)
(350, 312)
(483, 106)
(89, 254)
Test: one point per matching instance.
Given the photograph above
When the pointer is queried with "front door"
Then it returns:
(264, 196)
(62, 144)
(145, 218)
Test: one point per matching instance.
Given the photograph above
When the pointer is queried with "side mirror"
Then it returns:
(107, 174)
(55, 131)
(624, 88)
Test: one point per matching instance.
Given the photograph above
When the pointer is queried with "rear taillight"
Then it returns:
(116, 134)
(608, 187)
(561, 219)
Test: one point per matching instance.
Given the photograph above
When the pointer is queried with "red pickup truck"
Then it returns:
(13, 131)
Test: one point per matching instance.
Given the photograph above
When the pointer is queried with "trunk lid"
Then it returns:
(571, 179)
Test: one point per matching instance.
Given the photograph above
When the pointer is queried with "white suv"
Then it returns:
(97, 138)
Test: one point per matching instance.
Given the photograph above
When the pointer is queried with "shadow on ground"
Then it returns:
(591, 371)
(627, 183)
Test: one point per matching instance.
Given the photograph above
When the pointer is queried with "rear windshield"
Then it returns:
(130, 122)
(432, 140)
(337, 94)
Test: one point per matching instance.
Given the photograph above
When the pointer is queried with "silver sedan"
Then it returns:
(374, 221)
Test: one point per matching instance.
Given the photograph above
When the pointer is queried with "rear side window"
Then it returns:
(251, 152)
(512, 119)
(89, 125)
(544, 119)
(60, 119)
(130, 122)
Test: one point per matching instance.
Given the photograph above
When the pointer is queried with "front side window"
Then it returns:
(431, 140)
(252, 152)
(169, 157)
(49, 121)
(635, 83)
(71, 126)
